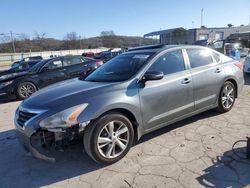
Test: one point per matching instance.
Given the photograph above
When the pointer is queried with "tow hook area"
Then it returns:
(47, 142)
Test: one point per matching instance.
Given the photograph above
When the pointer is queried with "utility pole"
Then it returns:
(13, 42)
(80, 39)
(202, 10)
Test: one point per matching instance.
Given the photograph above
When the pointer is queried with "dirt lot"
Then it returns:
(196, 152)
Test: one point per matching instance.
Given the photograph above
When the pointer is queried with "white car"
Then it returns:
(247, 64)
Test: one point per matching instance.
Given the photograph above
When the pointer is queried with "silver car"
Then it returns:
(133, 94)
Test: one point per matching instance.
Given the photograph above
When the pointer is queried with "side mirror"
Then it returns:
(152, 75)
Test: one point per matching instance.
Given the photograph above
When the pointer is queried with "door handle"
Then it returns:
(186, 81)
(218, 70)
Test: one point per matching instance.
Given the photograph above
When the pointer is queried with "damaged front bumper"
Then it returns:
(25, 139)
(42, 144)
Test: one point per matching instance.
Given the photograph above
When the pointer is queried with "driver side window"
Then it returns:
(169, 63)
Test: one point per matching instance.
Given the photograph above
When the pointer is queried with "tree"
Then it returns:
(39, 38)
(72, 36)
(229, 25)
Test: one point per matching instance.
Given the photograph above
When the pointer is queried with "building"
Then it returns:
(190, 36)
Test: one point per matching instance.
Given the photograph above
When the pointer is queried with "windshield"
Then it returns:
(37, 66)
(120, 68)
(20, 66)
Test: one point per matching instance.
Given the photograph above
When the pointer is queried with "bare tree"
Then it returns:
(72, 36)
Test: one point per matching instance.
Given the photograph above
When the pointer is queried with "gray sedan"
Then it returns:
(133, 94)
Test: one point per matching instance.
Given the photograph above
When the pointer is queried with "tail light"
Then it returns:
(99, 62)
(239, 65)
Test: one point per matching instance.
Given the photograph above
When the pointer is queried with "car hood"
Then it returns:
(70, 91)
(10, 75)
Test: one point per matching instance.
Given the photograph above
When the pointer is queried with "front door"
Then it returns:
(52, 72)
(165, 100)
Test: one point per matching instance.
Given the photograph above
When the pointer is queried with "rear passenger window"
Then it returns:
(199, 57)
(169, 63)
(54, 64)
(68, 61)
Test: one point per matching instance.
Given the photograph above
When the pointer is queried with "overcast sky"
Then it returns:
(125, 17)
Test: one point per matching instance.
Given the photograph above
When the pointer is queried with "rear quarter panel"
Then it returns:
(235, 73)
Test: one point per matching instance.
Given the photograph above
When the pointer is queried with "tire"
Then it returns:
(227, 97)
(25, 90)
(109, 149)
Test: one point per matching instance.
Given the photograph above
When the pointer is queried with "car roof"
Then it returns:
(160, 47)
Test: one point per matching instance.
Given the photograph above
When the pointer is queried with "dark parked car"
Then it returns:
(107, 55)
(46, 72)
(133, 94)
(20, 67)
(27, 59)
(88, 54)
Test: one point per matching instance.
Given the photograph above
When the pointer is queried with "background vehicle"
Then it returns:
(44, 73)
(135, 93)
(225, 47)
(27, 59)
(89, 54)
(247, 64)
(107, 55)
(20, 67)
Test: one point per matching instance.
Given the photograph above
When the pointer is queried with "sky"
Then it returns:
(125, 17)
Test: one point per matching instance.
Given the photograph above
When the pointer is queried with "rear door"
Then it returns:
(165, 100)
(52, 72)
(207, 76)
(75, 66)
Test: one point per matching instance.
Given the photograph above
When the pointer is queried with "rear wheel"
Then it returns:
(109, 138)
(227, 97)
(25, 90)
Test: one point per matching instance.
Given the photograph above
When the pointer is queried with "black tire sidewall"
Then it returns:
(98, 127)
(19, 87)
(221, 107)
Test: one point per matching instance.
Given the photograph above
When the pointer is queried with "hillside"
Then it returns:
(49, 44)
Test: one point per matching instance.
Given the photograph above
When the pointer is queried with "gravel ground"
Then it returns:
(196, 152)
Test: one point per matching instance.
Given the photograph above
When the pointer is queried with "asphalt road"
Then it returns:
(196, 152)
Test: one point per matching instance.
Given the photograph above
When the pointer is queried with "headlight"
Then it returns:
(4, 77)
(2, 85)
(64, 119)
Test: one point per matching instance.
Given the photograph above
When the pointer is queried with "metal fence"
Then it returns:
(8, 58)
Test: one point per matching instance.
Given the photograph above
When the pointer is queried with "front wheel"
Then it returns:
(25, 90)
(227, 97)
(109, 138)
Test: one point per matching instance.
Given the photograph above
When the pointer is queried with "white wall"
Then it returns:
(10, 57)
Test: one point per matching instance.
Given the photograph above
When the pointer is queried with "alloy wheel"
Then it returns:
(113, 139)
(26, 90)
(228, 96)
